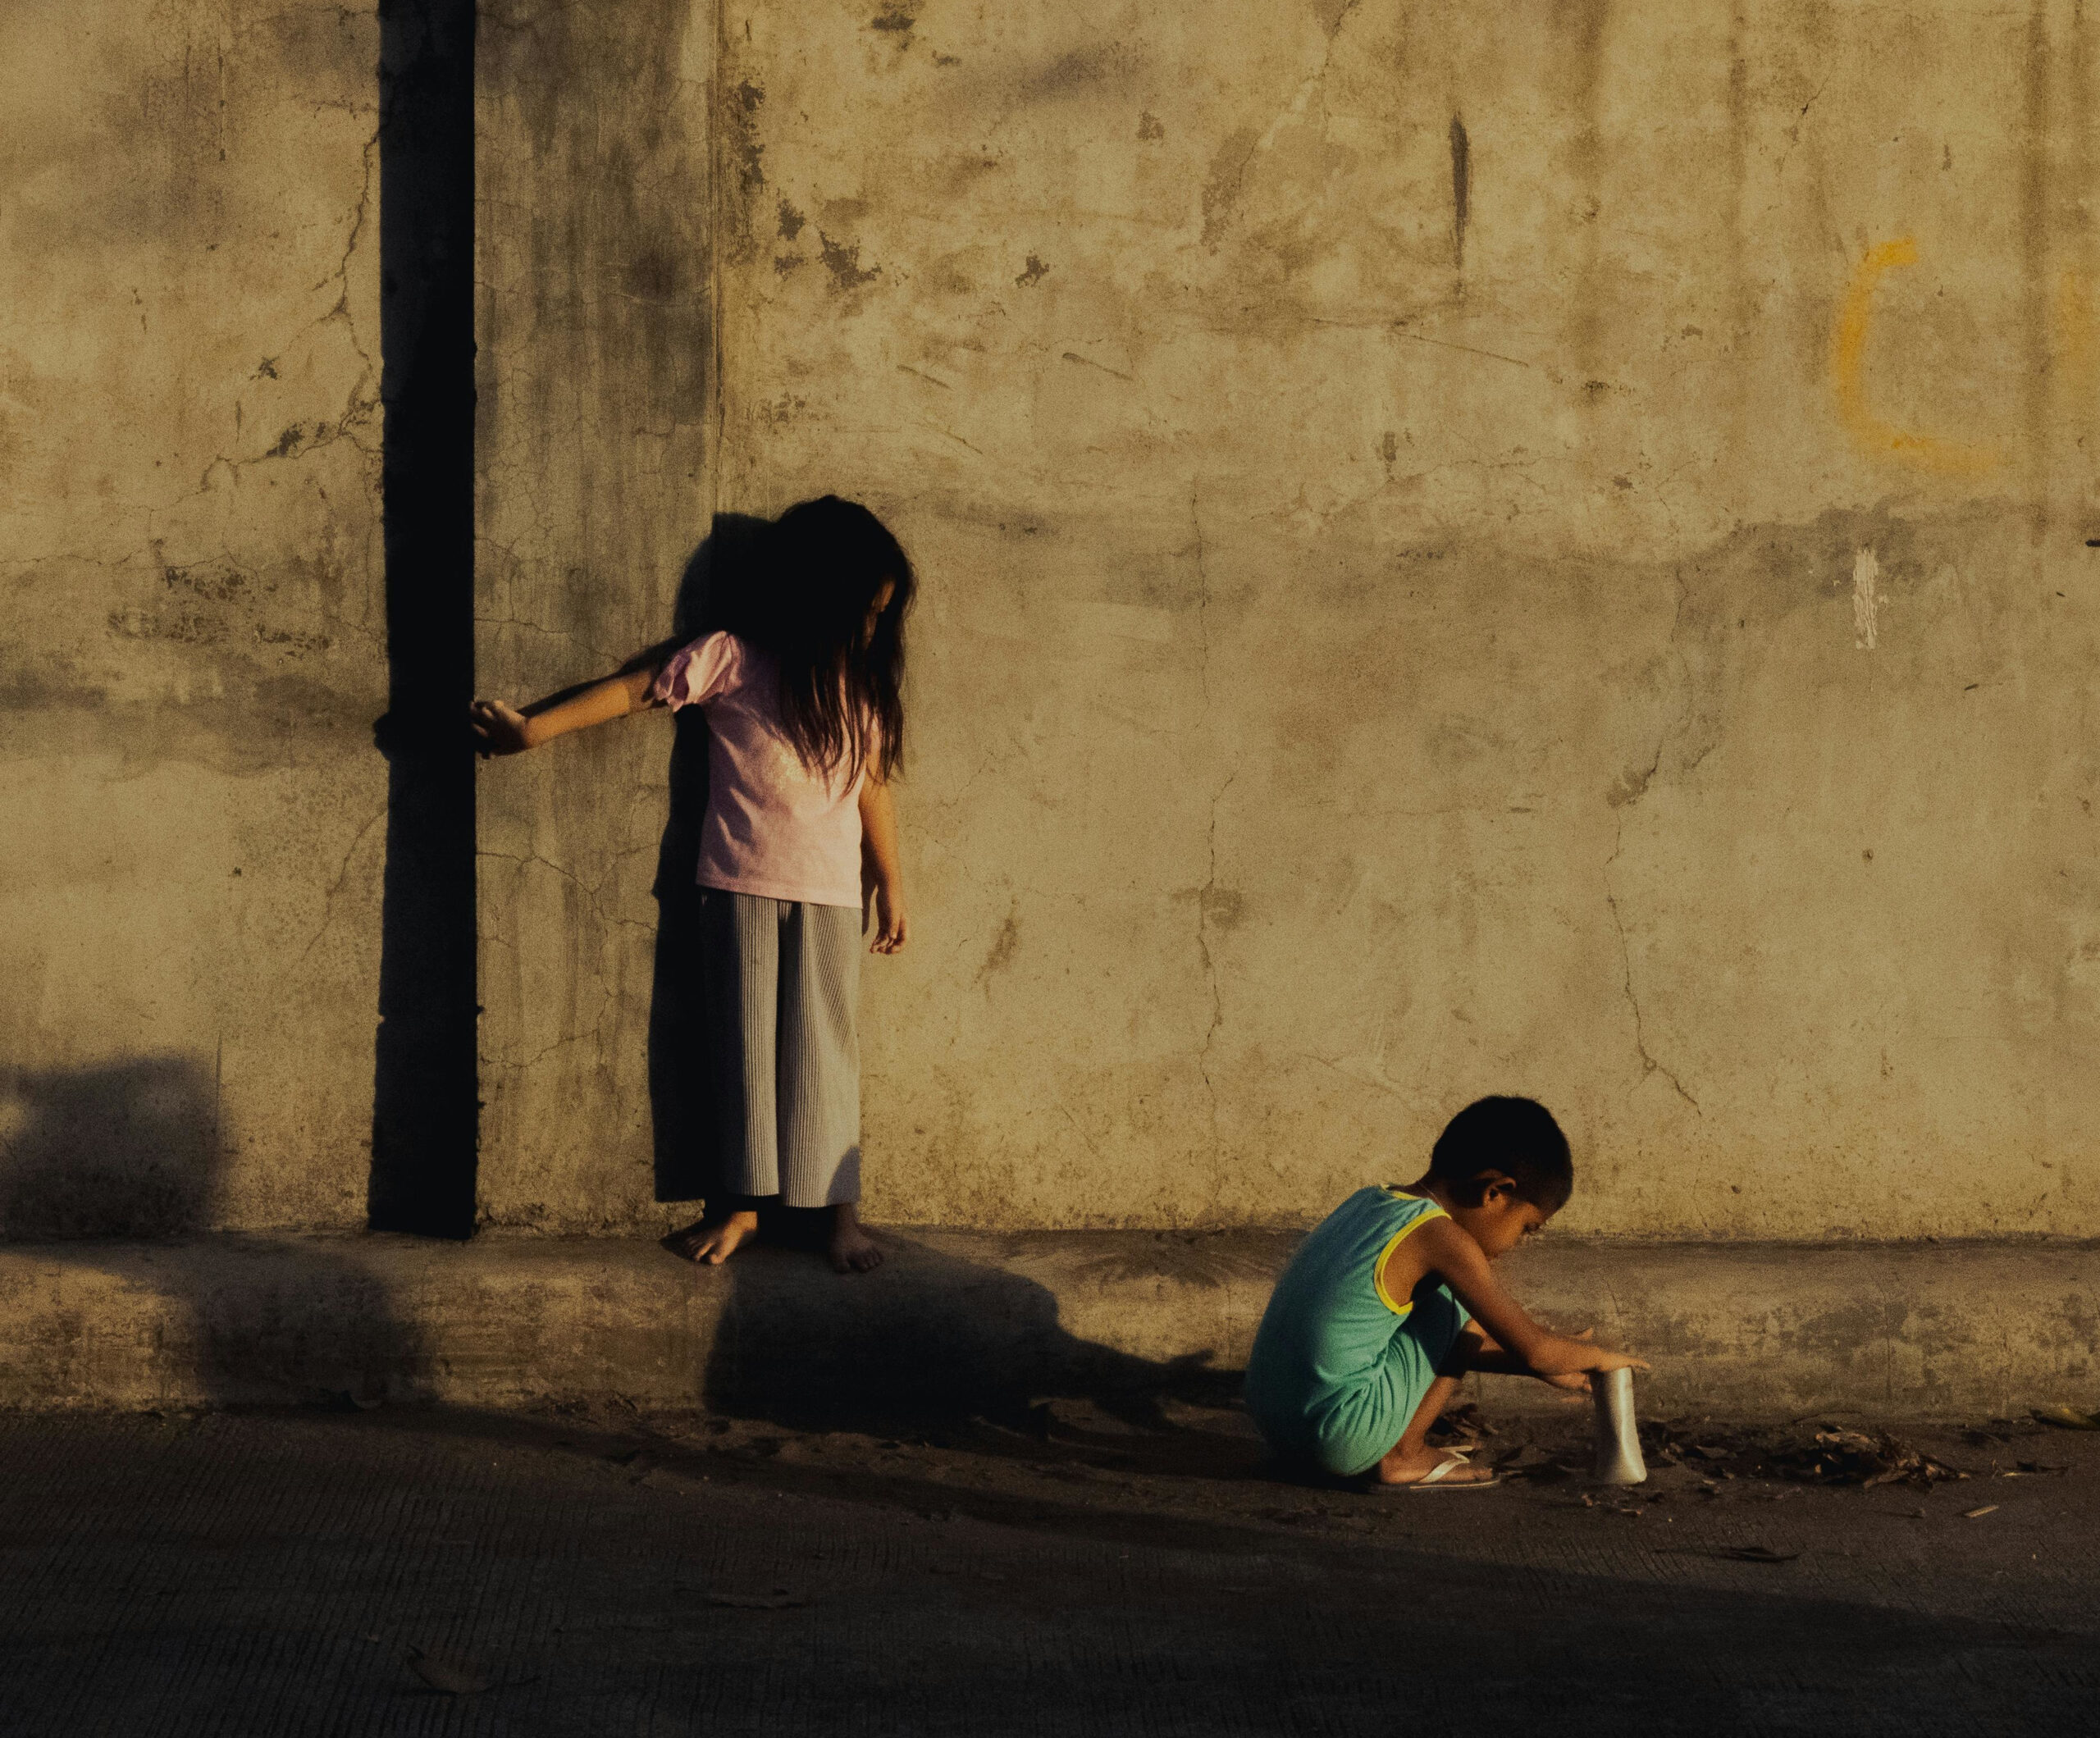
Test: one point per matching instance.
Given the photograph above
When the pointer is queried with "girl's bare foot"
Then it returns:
(713, 1241)
(1410, 1465)
(851, 1249)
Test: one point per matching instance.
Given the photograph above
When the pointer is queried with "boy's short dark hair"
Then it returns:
(1516, 1136)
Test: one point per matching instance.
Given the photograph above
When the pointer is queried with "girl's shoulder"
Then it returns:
(702, 669)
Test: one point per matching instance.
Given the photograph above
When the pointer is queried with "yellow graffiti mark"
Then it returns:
(1848, 350)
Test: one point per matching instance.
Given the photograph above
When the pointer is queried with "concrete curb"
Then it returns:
(1959, 1331)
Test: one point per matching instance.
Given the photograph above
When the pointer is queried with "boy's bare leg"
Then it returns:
(851, 1249)
(1411, 1459)
(716, 1237)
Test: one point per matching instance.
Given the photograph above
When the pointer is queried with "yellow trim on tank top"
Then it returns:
(1385, 1255)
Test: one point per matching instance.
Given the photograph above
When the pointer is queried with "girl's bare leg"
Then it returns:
(1411, 1458)
(715, 1237)
(851, 1249)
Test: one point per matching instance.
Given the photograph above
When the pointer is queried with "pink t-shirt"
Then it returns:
(773, 826)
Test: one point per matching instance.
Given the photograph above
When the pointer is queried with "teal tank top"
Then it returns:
(1336, 1362)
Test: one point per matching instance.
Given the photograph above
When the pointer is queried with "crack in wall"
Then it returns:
(295, 440)
(1227, 184)
(1649, 1063)
(590, 893)
(1314, 83)
(335, 886)
(1625, 793)
(608, 982)
(1204, 894)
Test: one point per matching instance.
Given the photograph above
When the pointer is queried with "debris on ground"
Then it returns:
(448, 1673)
(2067, 1418)
(1978, 1514)
(778, 1598)
(1462, 1427)
(1530, 1461)
(1830, 1456)
(1848, 1458)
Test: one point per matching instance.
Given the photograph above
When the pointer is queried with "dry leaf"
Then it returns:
(448, 1672)
(1977, 1514)
(2067, 1418)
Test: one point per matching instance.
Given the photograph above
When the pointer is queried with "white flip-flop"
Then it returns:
(1435, 1478)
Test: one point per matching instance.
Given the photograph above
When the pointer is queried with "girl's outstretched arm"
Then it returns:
(881, 873)
(502, 729)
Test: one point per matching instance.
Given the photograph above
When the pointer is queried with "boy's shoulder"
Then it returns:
(1382, 1206)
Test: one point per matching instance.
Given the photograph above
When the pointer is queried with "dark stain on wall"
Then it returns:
(1222, 188)
(654, 275)
(743, 153)
(1581, 25)
(1004, 945)
(842, 260)
(1461, 188)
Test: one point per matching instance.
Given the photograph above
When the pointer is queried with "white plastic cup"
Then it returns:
(1619, 1436)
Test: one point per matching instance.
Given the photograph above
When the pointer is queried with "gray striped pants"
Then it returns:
(780, 983)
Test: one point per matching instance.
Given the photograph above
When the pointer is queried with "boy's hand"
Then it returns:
(499, 727)
(1578, 1381)
(893, 928)
(1601, 1361)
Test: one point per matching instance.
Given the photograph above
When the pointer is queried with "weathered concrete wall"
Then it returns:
(1464, 549)
(193, 830)
(1624, 632)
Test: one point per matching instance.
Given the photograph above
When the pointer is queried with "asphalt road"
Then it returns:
(1076, 1568)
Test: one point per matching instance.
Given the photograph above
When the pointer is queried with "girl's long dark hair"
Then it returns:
(819, 569)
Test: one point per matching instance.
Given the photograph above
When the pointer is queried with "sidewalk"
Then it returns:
(1895, 1331)
(1072, 1572)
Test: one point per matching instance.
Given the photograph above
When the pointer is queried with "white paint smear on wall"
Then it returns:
(1866, 600)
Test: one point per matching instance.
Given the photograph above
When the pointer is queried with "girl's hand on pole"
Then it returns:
(499, 728)
(893, 928)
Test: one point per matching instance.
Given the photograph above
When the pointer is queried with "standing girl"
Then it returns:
(798, 853)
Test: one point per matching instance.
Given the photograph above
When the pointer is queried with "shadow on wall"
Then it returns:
(425, 1109)
(130, 1151)
(681, 1103)
(125, 1150)
(115, 1170)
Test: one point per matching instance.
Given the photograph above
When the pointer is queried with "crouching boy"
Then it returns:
(1392, 1298)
